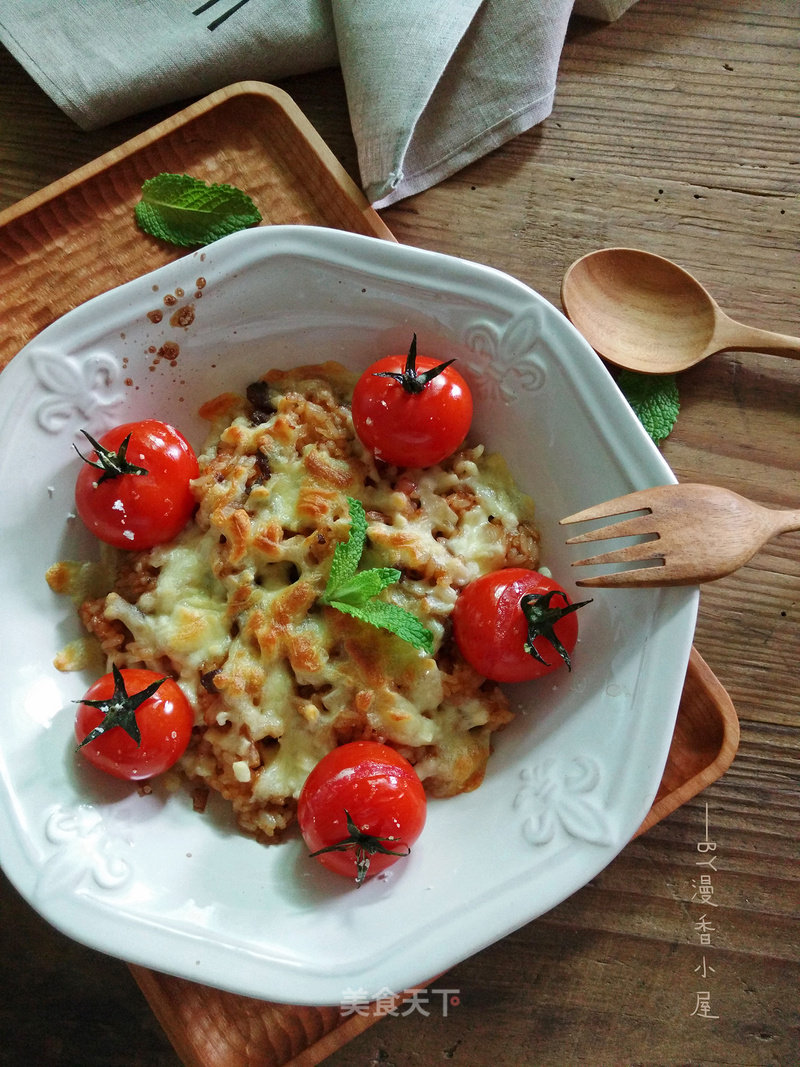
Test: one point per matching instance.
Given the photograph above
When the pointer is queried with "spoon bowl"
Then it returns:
(645, 313)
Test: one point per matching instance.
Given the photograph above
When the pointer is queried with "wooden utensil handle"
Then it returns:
(785, 521)
(736, 335)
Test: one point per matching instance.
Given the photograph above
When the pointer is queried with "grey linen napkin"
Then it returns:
(431, 84)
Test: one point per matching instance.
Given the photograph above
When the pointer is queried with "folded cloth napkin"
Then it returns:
(431, 84)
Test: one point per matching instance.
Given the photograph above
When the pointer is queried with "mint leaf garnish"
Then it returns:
(353, 592)
(347, 553)
(365, 585)
(390, 617)
(654, 399)
(187, 211)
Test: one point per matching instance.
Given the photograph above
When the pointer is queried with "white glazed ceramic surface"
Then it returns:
(148, 879)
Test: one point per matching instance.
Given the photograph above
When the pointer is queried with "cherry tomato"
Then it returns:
(133, 490)
(361, 809)
(411, 411)
(515, 624)
(128, 703)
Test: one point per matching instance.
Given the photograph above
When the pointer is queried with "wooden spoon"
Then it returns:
(645, 313)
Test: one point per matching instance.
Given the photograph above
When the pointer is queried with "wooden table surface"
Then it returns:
(675, 129)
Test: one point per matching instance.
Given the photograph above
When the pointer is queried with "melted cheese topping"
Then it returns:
(231, 609)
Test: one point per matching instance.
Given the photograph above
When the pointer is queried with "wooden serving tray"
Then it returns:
(254, 136)
(251, 135)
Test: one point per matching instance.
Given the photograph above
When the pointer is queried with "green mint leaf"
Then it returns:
(654, 399)
(353, 592)
(390, 617)
(364, 585)
(187, 211)
(347, 553)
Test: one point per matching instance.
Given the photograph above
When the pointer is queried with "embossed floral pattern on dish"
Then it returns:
(505, 362)
(76, 387)
(563, 795)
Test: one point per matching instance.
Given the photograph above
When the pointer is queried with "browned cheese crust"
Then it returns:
(231, 607)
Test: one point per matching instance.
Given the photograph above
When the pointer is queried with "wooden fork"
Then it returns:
(696, 533)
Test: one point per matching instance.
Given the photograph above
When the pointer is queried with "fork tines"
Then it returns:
(643, 551)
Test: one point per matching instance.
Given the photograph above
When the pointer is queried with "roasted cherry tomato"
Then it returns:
(411, 411)
(133, 489)
(361, 809)
(133, 723)
(515, 624)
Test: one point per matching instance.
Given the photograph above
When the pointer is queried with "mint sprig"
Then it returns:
(353, 592)
(187, 211)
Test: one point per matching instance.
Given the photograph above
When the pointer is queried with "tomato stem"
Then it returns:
(365, 846)
(120, 708)
(111, 463)
(410, 379)
(542, 616)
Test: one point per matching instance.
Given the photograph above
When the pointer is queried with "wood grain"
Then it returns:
(675, 129)
(251, 134)
(296, 181)
(696, 532)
